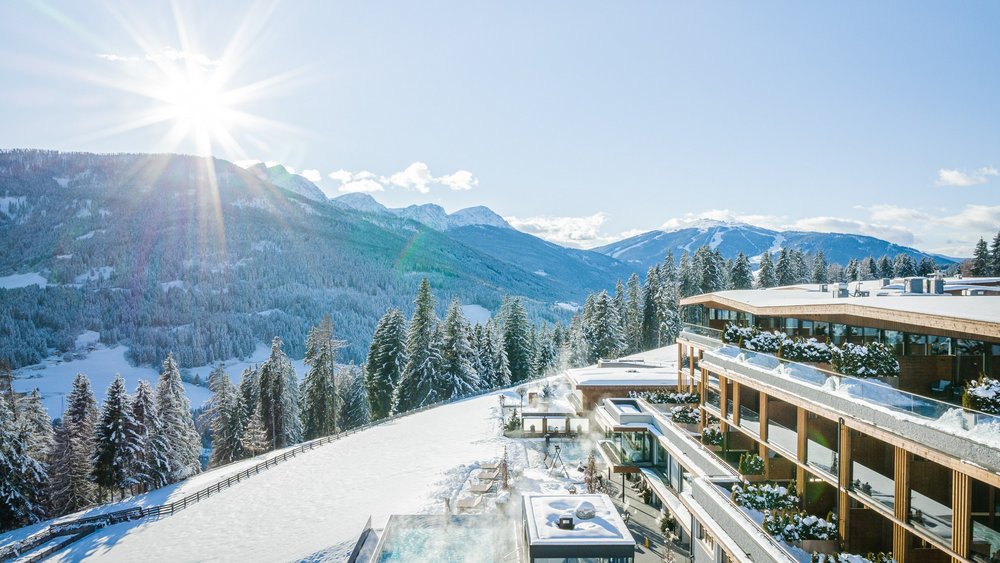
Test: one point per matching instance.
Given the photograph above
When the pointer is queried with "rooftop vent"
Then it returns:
(934, 285)
(585, 510)
(838, 290)
(565, 521)
(913, 285)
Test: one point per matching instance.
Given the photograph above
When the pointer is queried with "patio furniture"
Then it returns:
(490, 466)
(941, 386)
(481, 488)
(468, 503)
(485, 475)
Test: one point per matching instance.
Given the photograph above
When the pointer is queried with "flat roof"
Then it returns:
(958, 315)
(621, 376)
(606, 528)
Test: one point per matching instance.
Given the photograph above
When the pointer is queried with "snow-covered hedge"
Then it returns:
(666, 397)
(751, 464)
(765, 496)
(712, 436)
(983, 395)
(852, 558)
(777, 342)
(685, 415)
(865, 360)
(793, 527)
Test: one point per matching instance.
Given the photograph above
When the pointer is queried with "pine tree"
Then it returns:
(115, 456)
(35, 427)
(981, 260)
(250, 390)
(604, 334)
(785, 269)
(926, 266)
(666, 304)
(500, 370)
(884, 267)
(994, 256)
(153, 468)
(255, 440)
(279, 399)
(319, 386)
(741, 276)
(689, 276)
(651, 293)
(577, 348)
(176, 424)
(903, 267)
(227, 418)
(417, 383)
(22, 478)
(633, 315)
(71, 485)
(516, 340)
(868, 270)
(353, 402)
(457, 377)
(821, 271)
(765, 274)
(853, 270)
(386, 360)
(799, 267)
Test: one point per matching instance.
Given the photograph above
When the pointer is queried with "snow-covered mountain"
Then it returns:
(281, 177)
(649, 248)
(429, 214)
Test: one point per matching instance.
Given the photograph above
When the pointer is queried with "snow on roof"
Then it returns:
(605, 528)
(662, 375)
(974, 308)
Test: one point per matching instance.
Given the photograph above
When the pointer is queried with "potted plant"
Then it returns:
(869, 360)
(811, 533)
(983, 395)
(686, 417)
(712, 438)
(765, 496)
(751, 467)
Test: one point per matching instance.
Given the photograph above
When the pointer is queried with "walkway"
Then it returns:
(644, 523)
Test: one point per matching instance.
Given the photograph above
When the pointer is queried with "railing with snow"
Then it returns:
(79, 527)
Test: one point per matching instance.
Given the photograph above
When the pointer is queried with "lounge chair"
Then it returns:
(468, 503)
(941, 386)
(481, 488)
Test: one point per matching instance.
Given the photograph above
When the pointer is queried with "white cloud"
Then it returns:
(312, 175)
(342, 176)
(460, 180)
(168, 54)
(416, 176)
(953, 177)
(362, 186)
(579, 232)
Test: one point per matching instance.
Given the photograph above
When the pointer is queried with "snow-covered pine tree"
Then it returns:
(651, 294)
(417, 383)
(821, 270)
(578, 348)
(153, 468)
(852, 272)
(903, 267)
(319, 412)
(741, 277)
(481, 363)
(279, 398)
(496, 351)
(604, 335)
(386, 360)
(666, 303)
(255, 440)
(35, 426)
(354, 410)
(633, 315)
(71, 485)
(869, 270)
(226, 417)
(457, 376)
(980, 265)
(928, 267)
(176, 423)
(619, 301)
(546, 353)
(22, 478)
(115, 454)
(250, 389)
(516, 340)
(884, 267)
(785, 269)
(994, 256)
(765, 274)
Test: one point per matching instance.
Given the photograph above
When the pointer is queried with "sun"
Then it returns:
(197, 104)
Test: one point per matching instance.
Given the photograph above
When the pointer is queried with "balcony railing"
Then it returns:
(868, 390)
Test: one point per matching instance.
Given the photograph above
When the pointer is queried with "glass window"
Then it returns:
(869, 335)
(806, 329)
(916, 345)
(839, 334)
(791, 327)
(893, 339)
(821, 331)
(939, 345)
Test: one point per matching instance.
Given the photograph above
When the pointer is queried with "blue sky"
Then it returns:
(579, 121)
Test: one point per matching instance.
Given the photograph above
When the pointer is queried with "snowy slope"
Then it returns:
(318, 502)
(429, 214)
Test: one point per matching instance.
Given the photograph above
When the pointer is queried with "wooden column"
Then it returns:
(844, 478)
(704, 397)
(691, 381)
(736, 403)
(901, 492)
(801, 435)
(762, 409)
(961, 513)
(723, 396)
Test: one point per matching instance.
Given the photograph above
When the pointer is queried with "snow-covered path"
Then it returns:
(320, 499)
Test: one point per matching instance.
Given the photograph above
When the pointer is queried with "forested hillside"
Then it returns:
(167, 252)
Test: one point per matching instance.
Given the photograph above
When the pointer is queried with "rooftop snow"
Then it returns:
(660, 369)
(605, 528)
